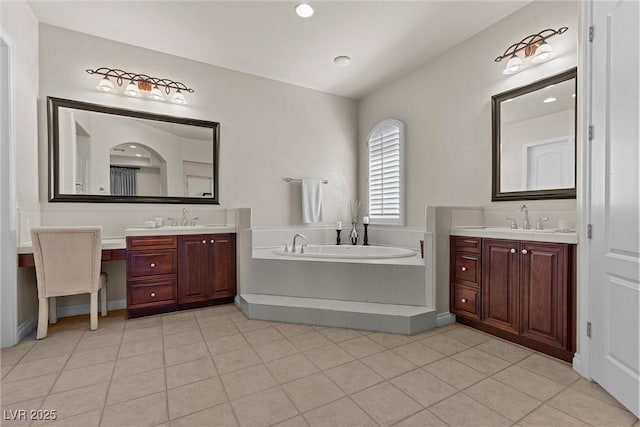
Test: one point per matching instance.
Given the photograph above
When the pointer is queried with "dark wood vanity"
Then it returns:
(522, 291)
(166, 273)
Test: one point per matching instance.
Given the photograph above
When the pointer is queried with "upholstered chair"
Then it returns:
(67, 262)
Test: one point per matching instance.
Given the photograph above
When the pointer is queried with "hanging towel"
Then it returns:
(311, 200)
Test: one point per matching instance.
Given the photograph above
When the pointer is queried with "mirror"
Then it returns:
(534, 149)
(105, 154)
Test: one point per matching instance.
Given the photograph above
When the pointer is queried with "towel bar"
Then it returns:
(288, 179)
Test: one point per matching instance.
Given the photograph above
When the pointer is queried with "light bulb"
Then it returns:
(304, 10)
(156, 94)
(544, 52)
(132, 89)
(178, 98)
(513, 65)
(105, 85)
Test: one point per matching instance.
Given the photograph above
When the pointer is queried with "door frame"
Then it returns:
(527, 146)
(9, 244)
(582, 357)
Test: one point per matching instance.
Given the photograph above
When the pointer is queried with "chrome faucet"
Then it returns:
(514, 224)
(293, 249)
(525, 224)
(184, 217)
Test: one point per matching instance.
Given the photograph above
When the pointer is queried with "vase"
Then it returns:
(354, 234)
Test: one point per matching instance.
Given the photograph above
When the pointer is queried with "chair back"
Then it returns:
(67, 260)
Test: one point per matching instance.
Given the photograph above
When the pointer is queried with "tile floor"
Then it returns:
(214, 366)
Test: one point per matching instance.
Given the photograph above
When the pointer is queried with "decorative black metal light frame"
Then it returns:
(530, 43)
(143, 81)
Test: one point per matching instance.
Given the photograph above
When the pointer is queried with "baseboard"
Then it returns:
(446, 318)
(577, 365)
(76, 310)
(25, 328)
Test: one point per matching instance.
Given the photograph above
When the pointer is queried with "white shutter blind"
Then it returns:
(384, 173)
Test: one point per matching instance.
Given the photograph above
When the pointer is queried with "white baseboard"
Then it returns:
(443, 319)
(578, 366)
(76, 310)
(25, 328)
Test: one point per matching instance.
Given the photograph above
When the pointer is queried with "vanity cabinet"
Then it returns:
(525, 292)
(207, 267)
(166, 273)
(152, 265)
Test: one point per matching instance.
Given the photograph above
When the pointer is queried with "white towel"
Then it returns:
(311, 200)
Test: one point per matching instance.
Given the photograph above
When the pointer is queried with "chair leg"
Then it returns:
(93, 310)
(43, 318)
(53, 310)
(103, 295)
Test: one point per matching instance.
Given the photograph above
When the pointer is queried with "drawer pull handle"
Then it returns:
(212, 241)
(524, 251)
(513, 251)
(153, 294)
(464, 269)
(204, 241)
(153, 264)
(464, 300)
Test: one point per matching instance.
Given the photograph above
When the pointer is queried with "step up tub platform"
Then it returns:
(392, 318)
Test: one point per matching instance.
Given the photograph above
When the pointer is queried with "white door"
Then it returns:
(549, 164)
(615, 247)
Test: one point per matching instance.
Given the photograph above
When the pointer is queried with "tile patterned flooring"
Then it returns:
(213, 366)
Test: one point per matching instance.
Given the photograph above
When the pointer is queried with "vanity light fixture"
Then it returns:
(141, 85)
(304, 10)
(535, 46)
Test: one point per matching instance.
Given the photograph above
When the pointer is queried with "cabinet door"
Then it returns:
(544, 292)
(222, 262)
(193, 271)
(500, 271)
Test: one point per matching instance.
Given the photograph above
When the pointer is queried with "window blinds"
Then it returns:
(384, 173)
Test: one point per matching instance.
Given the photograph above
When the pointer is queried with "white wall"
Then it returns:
(269, 129)
(446, 106)
(21, 27)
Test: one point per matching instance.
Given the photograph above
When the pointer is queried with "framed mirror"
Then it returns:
(534, 134)
(112, 155)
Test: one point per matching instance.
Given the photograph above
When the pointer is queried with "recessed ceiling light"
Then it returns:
(304, 10)
(138, 155)
(549, 99)
(132, 146)
(342, 60)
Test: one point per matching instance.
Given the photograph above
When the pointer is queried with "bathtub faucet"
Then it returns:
(293, 249)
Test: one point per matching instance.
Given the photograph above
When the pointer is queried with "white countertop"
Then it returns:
(550, 235)
(107, 243)
(179, 229)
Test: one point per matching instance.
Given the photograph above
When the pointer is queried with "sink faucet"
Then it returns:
(184, 217)
(525, 224)
(293, 249)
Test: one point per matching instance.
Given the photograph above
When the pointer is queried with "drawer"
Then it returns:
(151, 294)
(465, 301)
(465, 244)
(151, 263)
(466, 268)
(151, 242)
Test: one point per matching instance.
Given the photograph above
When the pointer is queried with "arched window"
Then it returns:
(386, 179)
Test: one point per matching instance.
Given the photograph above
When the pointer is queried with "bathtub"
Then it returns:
(384, 287)
(349, 252)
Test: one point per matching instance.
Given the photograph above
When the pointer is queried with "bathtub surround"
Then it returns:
(387, 295)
